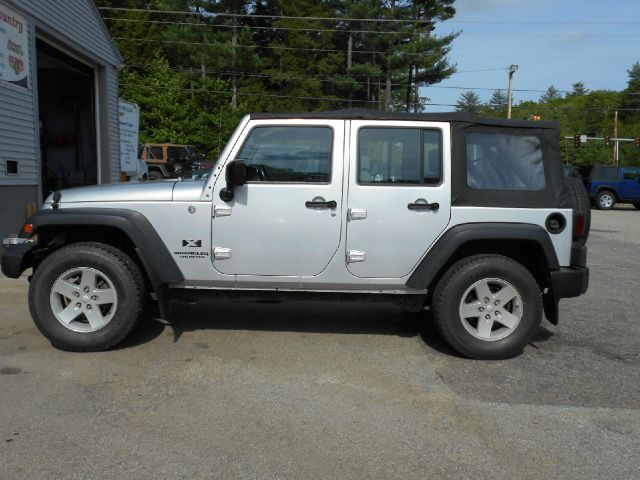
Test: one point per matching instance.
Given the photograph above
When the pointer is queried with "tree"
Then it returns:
(469, 102)
(631, 101)
(578, 89)
(550, 95)
(498, 101)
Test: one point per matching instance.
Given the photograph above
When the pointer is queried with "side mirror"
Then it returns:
(235, 175)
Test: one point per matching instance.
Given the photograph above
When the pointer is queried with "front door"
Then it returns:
(399, 195)
(285, 220)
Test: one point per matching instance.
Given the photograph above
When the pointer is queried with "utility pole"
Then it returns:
(616, 147)
(512, 70)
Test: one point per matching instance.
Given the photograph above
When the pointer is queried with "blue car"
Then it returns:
(608, 185)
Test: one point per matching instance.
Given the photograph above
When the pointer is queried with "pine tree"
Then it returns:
(550, 95)
(498, 101)
(469, 102)
(578, 89)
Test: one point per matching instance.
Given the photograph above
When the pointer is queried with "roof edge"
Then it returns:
(364, 114)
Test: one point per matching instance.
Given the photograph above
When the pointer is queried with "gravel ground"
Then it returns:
(299, 390)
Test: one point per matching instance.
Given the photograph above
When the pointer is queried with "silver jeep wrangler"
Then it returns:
(468, 217)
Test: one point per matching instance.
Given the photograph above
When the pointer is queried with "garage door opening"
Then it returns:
(67, 120)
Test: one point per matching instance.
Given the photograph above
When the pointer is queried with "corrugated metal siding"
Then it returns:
(75, 20)
(18, 129)
(74, 24)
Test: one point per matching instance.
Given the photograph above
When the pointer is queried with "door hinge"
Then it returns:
(221, 211)
(356, 214)
(355, 256)
(221, 253)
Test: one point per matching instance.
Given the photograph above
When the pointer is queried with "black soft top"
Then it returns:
(547, 132)
(365, 114)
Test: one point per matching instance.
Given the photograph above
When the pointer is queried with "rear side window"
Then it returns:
(409, 156)
(606, 174)
(288, 154)
(497, 161)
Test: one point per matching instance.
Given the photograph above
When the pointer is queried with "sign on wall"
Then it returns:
(14, 47)
(129, 116)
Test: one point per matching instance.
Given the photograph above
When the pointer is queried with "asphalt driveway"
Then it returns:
(305, 390)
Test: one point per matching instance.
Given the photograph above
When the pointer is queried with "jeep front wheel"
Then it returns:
(605, 200)
(487, 307)
(86, 297)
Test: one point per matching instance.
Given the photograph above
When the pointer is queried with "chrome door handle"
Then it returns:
(422, 204)
(321, 204)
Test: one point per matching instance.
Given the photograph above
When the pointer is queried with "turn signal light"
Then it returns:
(28, 228)
(579, 225)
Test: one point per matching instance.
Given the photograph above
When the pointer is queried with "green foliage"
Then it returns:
(194, 74)
(469, 102)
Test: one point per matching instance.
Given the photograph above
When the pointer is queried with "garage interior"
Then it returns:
(66, 100)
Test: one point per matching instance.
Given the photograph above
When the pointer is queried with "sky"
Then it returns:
(553, 42)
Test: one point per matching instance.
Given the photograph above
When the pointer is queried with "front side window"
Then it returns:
(409, 156)
(156, 153)
(288, 154)
(177, 154)
(497, 161)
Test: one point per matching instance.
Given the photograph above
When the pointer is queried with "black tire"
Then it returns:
(605, 200)
(580, 203)
(451, 289)
(154, 176)
(637, 205)
(122, 273)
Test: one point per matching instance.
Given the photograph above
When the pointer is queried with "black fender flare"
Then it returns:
(607, 187)
(454, 238)
(153, 253)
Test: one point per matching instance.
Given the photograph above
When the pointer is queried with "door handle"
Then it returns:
(422, 204)
(321, 204)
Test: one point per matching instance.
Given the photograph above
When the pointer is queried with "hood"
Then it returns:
(118, 192)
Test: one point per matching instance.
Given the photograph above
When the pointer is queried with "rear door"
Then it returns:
(284, 221)
(399, 195)
(630, 186)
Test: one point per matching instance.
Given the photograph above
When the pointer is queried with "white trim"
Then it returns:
(35, 99)
(96, 120)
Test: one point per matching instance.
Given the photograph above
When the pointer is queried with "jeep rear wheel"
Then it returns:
(487, 307)
(637, 205)
(605, 200)
(86, 297)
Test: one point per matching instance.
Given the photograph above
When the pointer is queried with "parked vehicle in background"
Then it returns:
(609, 185)
(168, 160)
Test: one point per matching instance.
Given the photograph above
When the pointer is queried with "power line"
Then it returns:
(346, 19)
(252, 27)
(337, 79)
(271, 47)
(333, 99)
(339, 30)
(284, 76)
(253, 15)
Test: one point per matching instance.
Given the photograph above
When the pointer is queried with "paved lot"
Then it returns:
(238, 390)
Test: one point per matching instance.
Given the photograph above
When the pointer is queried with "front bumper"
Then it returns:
(17, 256)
